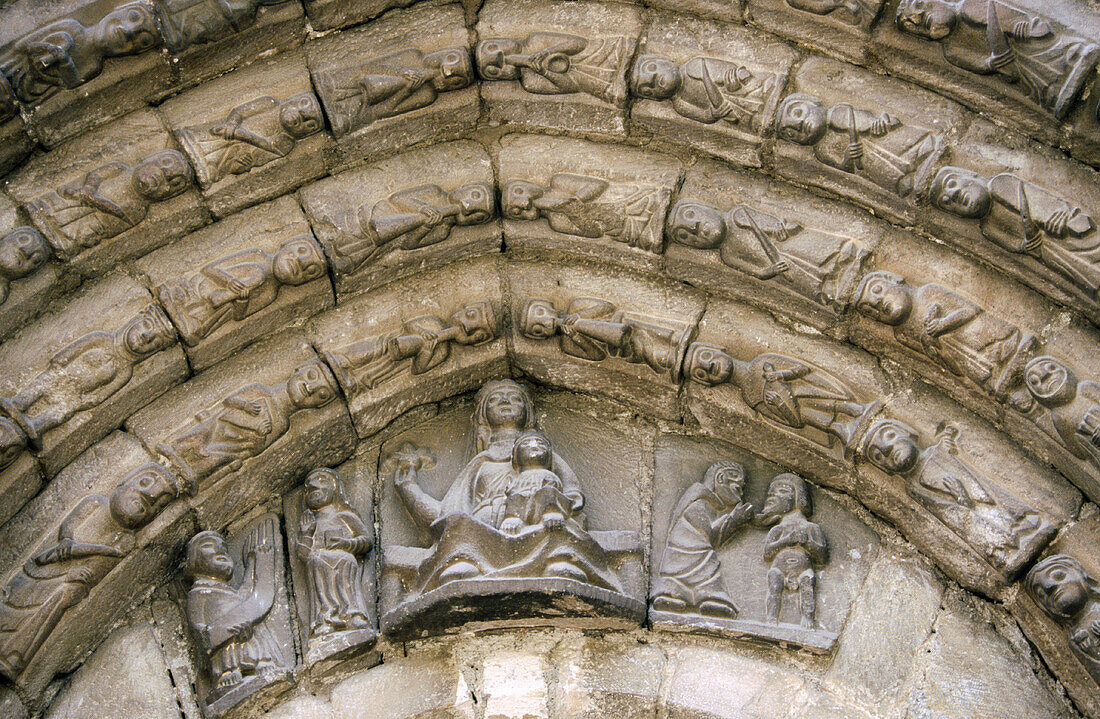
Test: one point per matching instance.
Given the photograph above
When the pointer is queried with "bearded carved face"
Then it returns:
(320, 488)
(208, 556)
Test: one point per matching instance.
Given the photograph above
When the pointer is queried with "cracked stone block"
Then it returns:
(297, 402)
(377, 224)
(602, 677)
(254, 134)
(669, 79)
(714, 684)
(887, 161)
(131, 163)
(425, 52)
(75, 375)
(837, 27)
(592, 42)
(578, 199)
(243, 278)
(424, 683)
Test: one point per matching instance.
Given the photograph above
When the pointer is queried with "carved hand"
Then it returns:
(882, 125)
(237, 287)
(416, 78)
(780, 267)
(512, 525)
(742, 513)
(64, 549)
(82, 575)
(853, 153)
(242, 631)
(432, 216)
(1055, 225)
(933, 326)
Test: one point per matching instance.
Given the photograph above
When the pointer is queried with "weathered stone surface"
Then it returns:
(403, 79)
(90, 239)
(306, 707)
(15, 143)
(886, 161)
(331, 14)
(20, 481)
(126, 677)
(375, 228)
(425, 683)
(240, 279)
(253, 465)
(561, 196)
(513, 684)
(1084, 131)
(717, 9)
(422, 341)
(602, 677)
(747, 72)
(76, 375)
(714, 684)
(837, 27)
(252, 135)
(521, 45)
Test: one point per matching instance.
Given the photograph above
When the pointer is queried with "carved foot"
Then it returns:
(666, 603)
(458, 570)
(717, 608)
(566, 571)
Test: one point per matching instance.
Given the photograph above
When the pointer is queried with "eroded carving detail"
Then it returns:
(1071, 597)
(194, 22)
(822, 267)
(253, 134)
(1074, 406)
(9, 108)
(110, 200)
(591, 207)
(991, 37)
(1024, 218)
(794, 546)
(550, 63)
(93, 538)
(999, 526)
(849, 12)
(219, 439)
(233, 288)
(22, 251)
(704, 89)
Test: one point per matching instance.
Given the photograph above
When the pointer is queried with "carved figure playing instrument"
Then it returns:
(186, 23)
(1071, 596)
(1073, 404)
(704, 89)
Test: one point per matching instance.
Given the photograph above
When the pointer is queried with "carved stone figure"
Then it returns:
(991, 37)
(794, 546)
(951, 330)
(1024, 218)
(392, 85)
(876, 146)
(22, 251)
(228, 610)
(591, 207)
(110, 200)
(999, 526)
(93, 538)
(535, 495)
(426, 340)
(594, 330)
(414, 218)
(9, 108)
(550, 63)
(332, 542)
(193, 22)
(786, 391)
(708, 515)
(219, 439)
(233, 288)
(849, 12)
(821, 267)
(86, 373)
(1074, 406)
(1071, 597)
(704, 89)
(66, 54)
(254, 134)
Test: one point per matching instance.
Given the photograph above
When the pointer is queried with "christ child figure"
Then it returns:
(535, 494)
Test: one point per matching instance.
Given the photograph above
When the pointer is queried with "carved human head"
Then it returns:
(323, 487)
(502, 404)
(891, 446)
(140, 497)
(298, 261)
(477, 203)
(492, 63)
(884, 297)
(517, 200)
(801, 118)
(300, 115)
(311, 386)
(696, 224)
(932, 19)
(655, 77)
(960, 192)
(148, 332)
(162, 176)
(538, 319)
(532, 450)
(1060, 585)
(12, 442)
(454, 68)
(477, 322)
(22, 251)
(786, 493)
(208, 557)
(127, 30)
(708, 364)
(1050, 381)
(727, 480)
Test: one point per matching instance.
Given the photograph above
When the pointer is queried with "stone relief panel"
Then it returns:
(15, 141)
(556, 190)
(545, 64)
(388, 220)
(844, 26)
(239, 614)
(742, 549)
(252, 135)
(512, 534)
(1071, 596)
(708, 85)
(117, 193)
(404, 79)
(399, 347)
(767, 243)
(871, 140)
(247, 276)
(186, 23)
